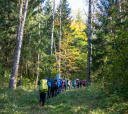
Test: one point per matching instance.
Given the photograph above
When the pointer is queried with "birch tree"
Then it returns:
(89, 46)
(52, 30)
(18, 44)
(60, 39)
(52, 33)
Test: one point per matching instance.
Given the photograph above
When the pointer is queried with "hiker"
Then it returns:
(43, 88)
(60, 85)
(77, 83)
(56, 88)
(83, 83)
(80, 84)
(74, 84)
(49, 89)
(64, 83)
(52, 86)
(68, 83)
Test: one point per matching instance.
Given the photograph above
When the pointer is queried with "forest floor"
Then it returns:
(91, 100)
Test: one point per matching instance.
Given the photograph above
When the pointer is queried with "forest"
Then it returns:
(40, 39)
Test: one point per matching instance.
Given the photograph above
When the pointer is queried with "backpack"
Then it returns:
(73, 84)
(80, 82)
(83, 82)
(43, 85)
(49, 84)
(56, 85)
(76, 80)
(64, 82)
(52, 83)
(61, 84)
(57, 80)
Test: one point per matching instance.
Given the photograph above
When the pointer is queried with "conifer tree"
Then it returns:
(109, 47)
(8, 25)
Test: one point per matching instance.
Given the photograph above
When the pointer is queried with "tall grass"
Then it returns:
(91, 100)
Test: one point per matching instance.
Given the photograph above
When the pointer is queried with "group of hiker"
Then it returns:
(49, 88)
(78, 83)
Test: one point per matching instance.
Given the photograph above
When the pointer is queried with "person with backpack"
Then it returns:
(43, 88)
(56, 88)
(52, 86)
(68, 83)
(74, 84)
(80, 83)
(83, 83)
(77, 83)
(49, 89)
(64, 80)
(62, 89)
(60, 85)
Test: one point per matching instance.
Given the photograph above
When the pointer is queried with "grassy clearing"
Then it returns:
(91, 100)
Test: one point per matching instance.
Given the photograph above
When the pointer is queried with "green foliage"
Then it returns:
(109, 58)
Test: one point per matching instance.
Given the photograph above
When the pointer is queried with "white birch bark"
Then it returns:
(89, 47)
(55, 53)
(52, 30)
(60, 40)
(18, 45)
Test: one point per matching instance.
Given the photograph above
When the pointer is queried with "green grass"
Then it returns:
(91, 100)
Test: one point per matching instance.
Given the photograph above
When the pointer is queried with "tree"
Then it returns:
(8, 25)
(52, 30)
(110, 46)
(18, 44)
(89, 47)
(60, 40)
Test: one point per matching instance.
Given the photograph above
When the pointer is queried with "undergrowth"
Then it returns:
(91, 100)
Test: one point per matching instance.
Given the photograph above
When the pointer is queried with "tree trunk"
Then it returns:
(60, 40)
(18, 45)
(55, 53)
(52, 30)
(37, 72)
(21, 75)
(92, 29)
(38, 61)
(120, 11)
(89, 47)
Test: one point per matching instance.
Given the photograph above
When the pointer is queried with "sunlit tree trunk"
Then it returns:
(55, 53)
(89, 47)
(60, 40)
(18, 44)
(52, 30)
(52, 35)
